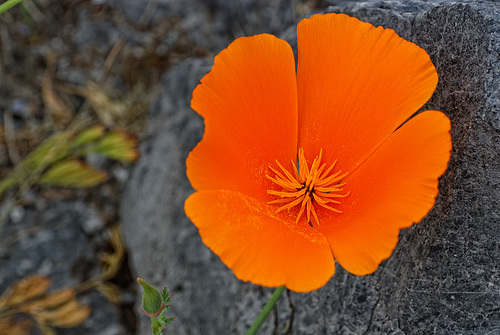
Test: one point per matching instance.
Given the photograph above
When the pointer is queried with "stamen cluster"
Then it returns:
(307, 186)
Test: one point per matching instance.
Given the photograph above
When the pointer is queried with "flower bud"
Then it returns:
(152, 302)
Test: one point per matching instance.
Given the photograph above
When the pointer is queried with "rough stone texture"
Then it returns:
(443, 277)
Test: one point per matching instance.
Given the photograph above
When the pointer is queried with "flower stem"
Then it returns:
(155, 324)
(265, 311)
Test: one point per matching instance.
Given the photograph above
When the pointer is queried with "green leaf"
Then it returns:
(57, 155)
(88, 135)
(165, 295)
(164, 319)
(8, 5)
(48, 152)
(72, 173)
(118, 145)
(10, 181)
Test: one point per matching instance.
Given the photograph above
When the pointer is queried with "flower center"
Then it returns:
(307, 187)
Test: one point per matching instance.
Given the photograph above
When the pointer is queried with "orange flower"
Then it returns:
(357, 175)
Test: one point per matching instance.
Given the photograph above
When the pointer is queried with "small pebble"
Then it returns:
(17, 214)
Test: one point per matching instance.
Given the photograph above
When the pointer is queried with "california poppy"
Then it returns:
(299, 169)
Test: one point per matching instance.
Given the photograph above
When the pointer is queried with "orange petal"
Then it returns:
(249, 103)
(392, 189)
(356, 85)
(258, 245)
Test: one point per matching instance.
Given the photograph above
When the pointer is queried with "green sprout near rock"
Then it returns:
(154, 304)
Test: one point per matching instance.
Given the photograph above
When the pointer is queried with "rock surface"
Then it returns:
(443, 277)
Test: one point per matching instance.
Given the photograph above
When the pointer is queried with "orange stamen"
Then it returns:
(307, 186)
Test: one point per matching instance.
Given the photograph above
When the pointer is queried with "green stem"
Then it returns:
(8, 5)
(156, 324)
(265, 312)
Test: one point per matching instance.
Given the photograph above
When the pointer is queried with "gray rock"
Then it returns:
(443, 277)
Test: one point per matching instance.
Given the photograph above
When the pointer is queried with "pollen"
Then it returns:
(307, 188)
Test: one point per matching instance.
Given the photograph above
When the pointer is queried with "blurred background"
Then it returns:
(77, 81)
